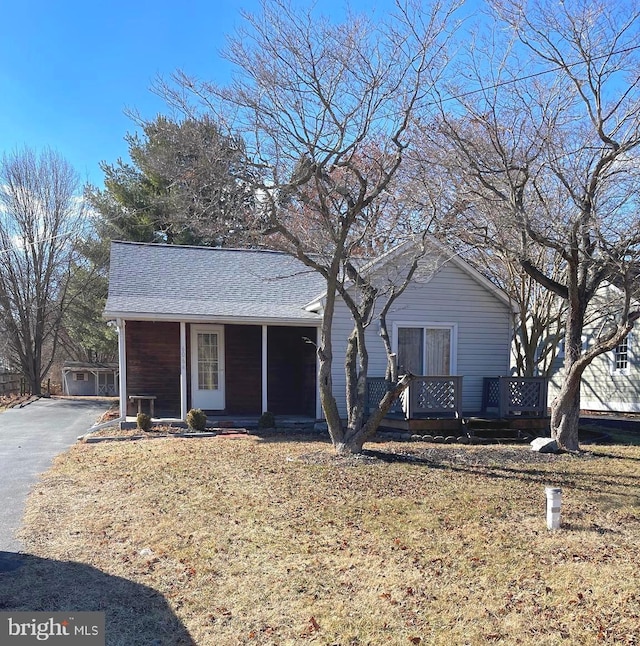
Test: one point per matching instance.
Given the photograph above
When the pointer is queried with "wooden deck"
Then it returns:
(466, 424)
(512, 407)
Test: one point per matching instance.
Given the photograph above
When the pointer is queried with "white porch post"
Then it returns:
(96, 382)
(183, 370)
(319, 414)
(122, 360)
(264, 369)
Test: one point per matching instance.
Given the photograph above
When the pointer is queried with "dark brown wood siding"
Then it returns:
(291, 380)
(153, 364)
(243, 378)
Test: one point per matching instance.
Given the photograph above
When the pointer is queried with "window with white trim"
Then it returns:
(621, 357)
(80, 376)
(426, 350)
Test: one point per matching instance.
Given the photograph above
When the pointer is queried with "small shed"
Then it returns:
(90, 379)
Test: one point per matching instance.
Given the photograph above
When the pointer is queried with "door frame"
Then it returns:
(209, 328)
(453, 339)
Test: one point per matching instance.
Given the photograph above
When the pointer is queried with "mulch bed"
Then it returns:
(160, 431)
(427, 454)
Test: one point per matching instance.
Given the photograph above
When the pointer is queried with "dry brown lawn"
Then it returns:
(224, 542)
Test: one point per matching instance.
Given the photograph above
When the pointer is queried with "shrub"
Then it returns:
(196, 419)
(143, 421)
(267, 420)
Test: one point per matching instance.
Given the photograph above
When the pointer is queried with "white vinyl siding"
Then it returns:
(451, 296)
(606, 384)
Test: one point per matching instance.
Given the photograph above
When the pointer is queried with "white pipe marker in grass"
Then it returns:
(554, 501)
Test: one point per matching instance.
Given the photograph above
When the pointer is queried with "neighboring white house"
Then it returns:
(612, 381)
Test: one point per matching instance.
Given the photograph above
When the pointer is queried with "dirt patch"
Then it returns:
(155, 431)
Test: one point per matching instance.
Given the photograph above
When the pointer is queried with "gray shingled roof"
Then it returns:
(179, 281)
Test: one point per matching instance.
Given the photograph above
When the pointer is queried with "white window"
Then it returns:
(621, 357)
(80, 376)
(426, 350)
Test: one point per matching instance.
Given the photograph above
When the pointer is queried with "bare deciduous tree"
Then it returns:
(545, 135)
(538, 325)
(324, 109)
(41, 218)
(538, 315)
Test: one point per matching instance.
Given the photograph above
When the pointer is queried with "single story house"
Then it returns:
(233, 331)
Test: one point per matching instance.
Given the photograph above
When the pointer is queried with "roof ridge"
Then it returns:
(198, 247)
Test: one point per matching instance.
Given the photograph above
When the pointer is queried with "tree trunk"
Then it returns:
(565, 409)
(565, 413)
(350, 446)
(354, 439)
(33, 377)
(35, 387)
(356, 369)
(325, 359)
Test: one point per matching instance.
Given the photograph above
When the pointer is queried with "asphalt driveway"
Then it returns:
(30, 438)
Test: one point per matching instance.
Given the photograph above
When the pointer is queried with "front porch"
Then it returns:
(512, 407)
(228, 370)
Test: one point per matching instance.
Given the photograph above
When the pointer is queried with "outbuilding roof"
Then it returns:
(163, 282)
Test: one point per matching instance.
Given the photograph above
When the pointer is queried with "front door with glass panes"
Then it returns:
(207, 367)
(425, 350)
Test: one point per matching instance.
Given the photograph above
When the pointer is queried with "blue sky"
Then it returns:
(69, 69)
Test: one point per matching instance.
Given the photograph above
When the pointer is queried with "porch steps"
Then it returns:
(499, 431)
(500, 436)
(286, 425)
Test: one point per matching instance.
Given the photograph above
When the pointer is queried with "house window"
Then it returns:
(621, 357)
(208, 363)
(80, 376)
(426, 350)
(411, 350)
